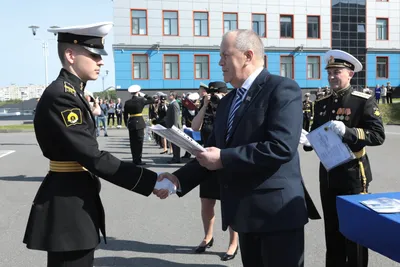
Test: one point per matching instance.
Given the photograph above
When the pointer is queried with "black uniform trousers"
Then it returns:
(119, 118)
(306, 122)
(79, 258)
(389, 98)
(275, 249)
(136, 138)
(340, 252)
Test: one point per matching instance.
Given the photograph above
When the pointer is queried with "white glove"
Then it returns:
(303, 139)
(166, 184)
(142, 94)
(338, 127)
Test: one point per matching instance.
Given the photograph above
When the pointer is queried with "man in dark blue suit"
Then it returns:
(253, 152)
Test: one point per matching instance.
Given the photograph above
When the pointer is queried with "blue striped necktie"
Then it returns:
(235, 106)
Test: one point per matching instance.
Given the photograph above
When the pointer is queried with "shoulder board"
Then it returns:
(69, 88)
(322, 98)
(360, 94)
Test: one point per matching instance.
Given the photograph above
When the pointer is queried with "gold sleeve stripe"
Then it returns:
(360, 134)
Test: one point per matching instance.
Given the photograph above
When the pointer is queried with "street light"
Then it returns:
(102, 78)
(45, 47)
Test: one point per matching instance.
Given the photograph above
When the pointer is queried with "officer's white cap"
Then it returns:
(203, 85)
(341, 59)
(89, 36)
(194, 96)
(307, 94)
(134, 88)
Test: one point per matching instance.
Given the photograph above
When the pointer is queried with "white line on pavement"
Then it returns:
(392, 133)
(4, 153)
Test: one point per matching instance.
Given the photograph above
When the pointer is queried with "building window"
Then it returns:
(286, 26)
(382, 29)
(313, 26)
(140, 66)
(139, 22)
(382, 67)
(201, 67)
(171, 67)
(287, 67)
(230, 22)
(200, 23)
(313, 67)
(170, 22)
(258, 21)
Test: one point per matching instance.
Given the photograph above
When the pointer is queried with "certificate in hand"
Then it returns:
(179, 138)
(329, 147)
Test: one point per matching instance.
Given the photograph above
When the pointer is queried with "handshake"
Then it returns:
(167, 184)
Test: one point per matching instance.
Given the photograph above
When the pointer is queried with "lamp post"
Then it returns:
(102, 78)
(45, 47)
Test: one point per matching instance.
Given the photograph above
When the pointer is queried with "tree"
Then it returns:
(111, 94)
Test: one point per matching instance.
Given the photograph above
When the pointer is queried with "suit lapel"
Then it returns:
(249, 99)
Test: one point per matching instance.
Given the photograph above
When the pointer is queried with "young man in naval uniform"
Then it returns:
(67, 212)
(356, 118)
(135, 122)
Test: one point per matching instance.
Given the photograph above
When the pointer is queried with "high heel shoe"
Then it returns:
(201, 249)
(164, 152)
(228, 257)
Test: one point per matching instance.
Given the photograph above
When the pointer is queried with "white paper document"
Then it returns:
(329, 147)
(179, 138)
(383, 205)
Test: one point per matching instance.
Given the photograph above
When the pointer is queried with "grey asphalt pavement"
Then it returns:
(148, 231)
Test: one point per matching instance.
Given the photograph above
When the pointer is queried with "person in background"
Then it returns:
(378, 92)
(135, 122)
(210, 189)
(94, 103)
(307, 112)
(173, 119)
(102, 118)
(383, 93)
(118, 112)
(389, 93)
(111, 114)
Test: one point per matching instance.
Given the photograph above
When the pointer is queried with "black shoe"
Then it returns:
(201, 249)
(186, 156)
(228, 257)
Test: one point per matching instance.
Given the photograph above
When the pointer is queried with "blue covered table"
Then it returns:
(376, 231)
(193, 134)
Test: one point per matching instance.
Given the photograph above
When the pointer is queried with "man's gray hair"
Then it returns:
(248, 40)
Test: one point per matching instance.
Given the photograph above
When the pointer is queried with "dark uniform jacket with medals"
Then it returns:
(67, 212)
(134, 106)
(361, 116)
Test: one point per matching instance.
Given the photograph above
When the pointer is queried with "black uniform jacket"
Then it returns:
(67, 213)
(364, 127)
(134, 106)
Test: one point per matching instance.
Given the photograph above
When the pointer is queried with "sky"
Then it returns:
(22, 56)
